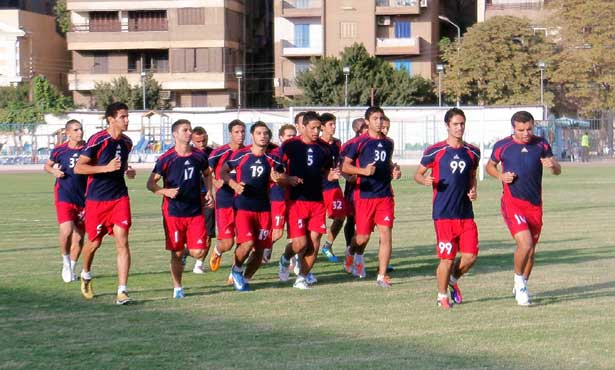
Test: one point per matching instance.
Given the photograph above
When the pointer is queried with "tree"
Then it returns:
(62, 16)
(496, 63)
(119, 89)
(47, 98)
(324, 83)
(584, 66)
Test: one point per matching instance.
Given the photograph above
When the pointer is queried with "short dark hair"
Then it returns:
(371, 110)
(298, 116)
(179, 122)
(452, 113)
(113, 108)
(326, 117)
(198, 130)
(257, 124)
(358, 124)
(235, 122)
(522, 117)
(285, 127)
(310, 116)
(386, 119)
(72, 122)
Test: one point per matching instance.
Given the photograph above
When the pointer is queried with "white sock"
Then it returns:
(216, 251)
(440, 296)
(86, 275)
(300, 278)
(198, 263)
(66, 259)
(177, 289)
(380, 277)
(122, 288)
(519, 281)
(452, 280)
(72, 264)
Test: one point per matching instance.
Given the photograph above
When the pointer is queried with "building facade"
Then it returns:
(403, 32)
(192, 47)
(30, 46)
(531, 9)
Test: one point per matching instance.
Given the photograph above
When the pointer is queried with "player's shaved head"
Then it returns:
(71, 122)
(178, 123)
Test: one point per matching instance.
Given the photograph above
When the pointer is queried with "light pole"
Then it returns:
(440, 69)
(445, 19)
(542, 65)
(346, 71)
(143, 75)
(239, 76)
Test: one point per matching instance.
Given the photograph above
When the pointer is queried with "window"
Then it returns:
(147, 20)
(153, 60)
(104, 22)
(101, 62)
(348, 30)
(188, 16)
(302, 4)
(403, 65)
(199, 98)
(302, 35)
(301, 66)
(402, 30)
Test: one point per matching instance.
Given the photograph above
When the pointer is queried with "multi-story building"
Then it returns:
(403, 32)
(531, 9)
(36, 6)
(29, 46)
(192, 47)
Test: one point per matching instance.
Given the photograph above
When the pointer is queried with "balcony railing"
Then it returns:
(290, 49)
(131, 26)
(395, 7)
(397, 3)
(301, 8)
(516, 4)
(400, 46)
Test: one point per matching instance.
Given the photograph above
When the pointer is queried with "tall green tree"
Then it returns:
(324, 83)
(62, 16)
(584, 65)
(119, 89)
(496, 62)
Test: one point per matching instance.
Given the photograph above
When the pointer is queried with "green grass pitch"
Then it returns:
(342, 323)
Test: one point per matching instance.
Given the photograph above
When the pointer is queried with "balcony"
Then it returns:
(402, 46)
(301, 8)
(397, 7)
(290, 87)
(289, 49)
(84, 81)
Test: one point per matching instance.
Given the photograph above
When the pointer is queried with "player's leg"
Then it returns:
(443, 273)
(123, 263)
(65, 240)
(210, 227)
(262, 242)
(177, 268)
(522, 255)
(77, 239)
(89, 250)
(468, 248)
(332, 233)
(225, 218)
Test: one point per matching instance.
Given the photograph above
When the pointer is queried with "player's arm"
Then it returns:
(152, 185)
(552, 164)
(350, 169)
(55, 171)
(421, 176)
(492, 170)
(84, 166)
(209, 196)
(472, 193)
(225, 175)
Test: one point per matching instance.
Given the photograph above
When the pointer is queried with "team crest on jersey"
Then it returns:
(524, 150)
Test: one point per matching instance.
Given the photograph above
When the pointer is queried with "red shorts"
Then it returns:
(305, 215)
(278, 214)
(225, 219)
(375, 211)
(254, 226)
(185, 231)
(335, 203)
(69, 212)
(104, 214)
(521, 215)
(456, 235)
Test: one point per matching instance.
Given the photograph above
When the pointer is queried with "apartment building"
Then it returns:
(403, 32)
(30, 46)
(531, 9)
(192, 47)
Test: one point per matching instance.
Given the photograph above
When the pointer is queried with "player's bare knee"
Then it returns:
(362, 240)
(197, 253)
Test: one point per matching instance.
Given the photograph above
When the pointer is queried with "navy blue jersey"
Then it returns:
(219, 156)
(71, 187)
(185, 173)
(309, 162)
(365, 150)
(102, 149)
(207, 152)
(277, 193)
(524, 161)
(453, 170)
(335, 145)
(255, 172)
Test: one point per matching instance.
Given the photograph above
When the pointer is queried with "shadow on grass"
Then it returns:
(55, 331)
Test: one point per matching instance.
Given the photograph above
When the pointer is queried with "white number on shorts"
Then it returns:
(520, 219)
(188, 172)
(262, 234)
(278, 220)
(337, 204)
(448, 247)
(257, 171)
(461, 165)
(380, 155)
(310, 159)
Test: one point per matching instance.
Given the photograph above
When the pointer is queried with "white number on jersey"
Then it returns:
(380, 155)
(72, 162)
(188, 172)
(257, 171)
(458, 165)
(310, 159)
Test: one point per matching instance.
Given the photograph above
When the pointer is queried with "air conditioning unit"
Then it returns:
(383, 20)
(276, 82)
(423, 4)
(165, 94)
